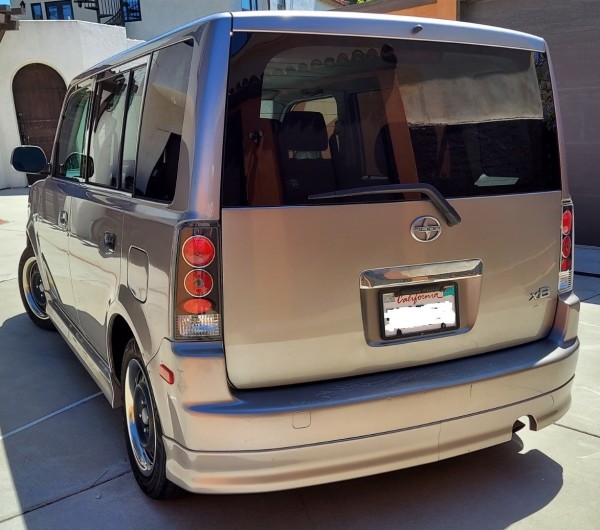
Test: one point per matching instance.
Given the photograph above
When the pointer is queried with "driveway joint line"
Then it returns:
(589, 274)
(577, 430)
(64, 497)
(48, 416)
(589, 298)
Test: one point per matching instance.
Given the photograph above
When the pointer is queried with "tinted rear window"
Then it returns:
(310, 115)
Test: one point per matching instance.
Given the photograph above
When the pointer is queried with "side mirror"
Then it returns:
(76, 165)
(29, 159)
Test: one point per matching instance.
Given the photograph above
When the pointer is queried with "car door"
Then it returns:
(96, 221)
(53, 202)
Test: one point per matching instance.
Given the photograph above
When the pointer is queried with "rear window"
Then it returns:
(311, 115)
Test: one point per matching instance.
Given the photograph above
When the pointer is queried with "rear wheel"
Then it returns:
(31, 287)
(143, 432)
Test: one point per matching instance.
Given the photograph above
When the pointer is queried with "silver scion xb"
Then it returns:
(304, 248)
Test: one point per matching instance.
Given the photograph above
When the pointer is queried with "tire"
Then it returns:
(143, 433)
(32, 290)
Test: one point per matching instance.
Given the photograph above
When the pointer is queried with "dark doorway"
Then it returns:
(38, 91)
(61, 10)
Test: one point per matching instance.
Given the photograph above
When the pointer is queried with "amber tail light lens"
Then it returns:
(565, 275)
(197, 303)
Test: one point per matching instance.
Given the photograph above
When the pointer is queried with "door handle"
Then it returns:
(63, 218)
(110, 241)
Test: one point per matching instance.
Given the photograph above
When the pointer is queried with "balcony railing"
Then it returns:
(113, 12)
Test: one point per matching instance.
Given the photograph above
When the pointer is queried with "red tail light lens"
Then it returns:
(566, 246)
(197, 306)
(565, 275)
(567, 222)
(198, 283)
(198, 251)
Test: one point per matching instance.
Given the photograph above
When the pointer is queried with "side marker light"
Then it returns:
(166, 374)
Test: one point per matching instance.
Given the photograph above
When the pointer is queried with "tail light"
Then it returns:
(565, 275)
(197, 303)
(198, 283)
(198, 251)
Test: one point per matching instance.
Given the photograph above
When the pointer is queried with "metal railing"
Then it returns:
(113, 12)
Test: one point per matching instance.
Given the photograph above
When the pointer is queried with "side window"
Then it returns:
(70, 158)
(132, 127)
(162, 123)
(106, 130)
(36, 12)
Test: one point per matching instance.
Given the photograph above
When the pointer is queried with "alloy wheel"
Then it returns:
(140, 418)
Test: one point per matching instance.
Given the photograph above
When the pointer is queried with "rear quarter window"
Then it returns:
(162, 122)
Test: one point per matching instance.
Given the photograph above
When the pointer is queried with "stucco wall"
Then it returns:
(159, 16)
(310, 5)
(446, 9)
(68, 46)
(79, 13)
(572, 30)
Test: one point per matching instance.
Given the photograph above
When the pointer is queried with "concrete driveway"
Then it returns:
(63, 461)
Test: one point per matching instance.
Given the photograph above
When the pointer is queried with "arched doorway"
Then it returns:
(38, 92)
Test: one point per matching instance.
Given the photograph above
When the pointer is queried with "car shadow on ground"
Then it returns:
(71, 470)
(587, 288)
(490, 489)
(69, 450)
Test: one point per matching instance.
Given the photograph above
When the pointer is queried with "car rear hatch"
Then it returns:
(386, 203)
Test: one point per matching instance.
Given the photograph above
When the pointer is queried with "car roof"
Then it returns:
(391, 26)
(334, 23)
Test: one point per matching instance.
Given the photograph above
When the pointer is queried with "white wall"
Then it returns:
(310, 5)
(159, 16)
(79, 13)
(68, 46)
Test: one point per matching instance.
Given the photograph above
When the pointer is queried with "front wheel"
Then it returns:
(143, 432)
(31, 287)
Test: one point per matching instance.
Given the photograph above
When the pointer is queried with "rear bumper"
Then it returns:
(221, 440)
(267, 470)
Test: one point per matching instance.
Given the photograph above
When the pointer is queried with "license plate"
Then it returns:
(419, 310)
